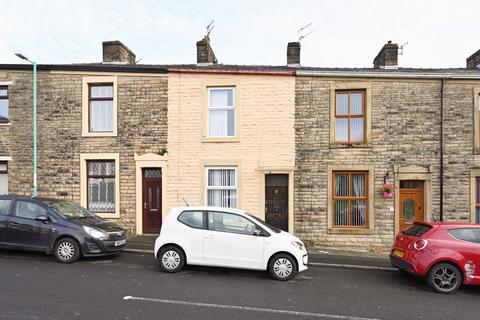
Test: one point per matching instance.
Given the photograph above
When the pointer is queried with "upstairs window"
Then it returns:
(3, 104)
(100, 102)
(221, 112)
(350, 116)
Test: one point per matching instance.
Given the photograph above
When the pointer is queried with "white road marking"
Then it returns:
(243, 308)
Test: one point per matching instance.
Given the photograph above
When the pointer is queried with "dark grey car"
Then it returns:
(59, 227)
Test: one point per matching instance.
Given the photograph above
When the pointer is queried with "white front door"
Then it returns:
(3, 178)
(229, 241)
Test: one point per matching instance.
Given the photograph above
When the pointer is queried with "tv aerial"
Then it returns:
(210, 28)
(401, 48)
(303, 32)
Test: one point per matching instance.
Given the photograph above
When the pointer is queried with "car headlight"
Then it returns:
(95, 233)
(298, 245)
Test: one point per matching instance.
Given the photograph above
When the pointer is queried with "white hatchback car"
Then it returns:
(225, 237)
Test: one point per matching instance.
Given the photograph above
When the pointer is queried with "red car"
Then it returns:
(447, 254)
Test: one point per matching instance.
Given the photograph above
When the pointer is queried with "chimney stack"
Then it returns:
(205, 55)
(473, 62)
(387, 58)
(293, 54)
(117, 52)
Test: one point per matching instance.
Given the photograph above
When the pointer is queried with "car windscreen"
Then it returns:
(69, 209)
(417, 230)
(276, 230)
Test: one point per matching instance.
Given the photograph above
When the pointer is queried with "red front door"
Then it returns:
(152, 200)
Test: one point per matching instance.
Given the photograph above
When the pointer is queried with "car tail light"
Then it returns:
(420, 244)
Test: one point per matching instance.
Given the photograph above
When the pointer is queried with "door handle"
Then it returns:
(144, 205)
(14, 225)
(209, 236)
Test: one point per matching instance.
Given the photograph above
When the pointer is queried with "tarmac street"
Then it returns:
(127, 286)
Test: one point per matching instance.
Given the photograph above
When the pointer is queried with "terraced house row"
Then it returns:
(342, 157)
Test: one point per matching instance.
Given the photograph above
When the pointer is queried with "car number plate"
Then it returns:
(120, 242)
(398, 253)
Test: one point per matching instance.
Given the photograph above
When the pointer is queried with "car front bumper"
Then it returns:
(94, 247)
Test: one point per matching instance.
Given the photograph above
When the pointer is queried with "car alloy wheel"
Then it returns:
(444, 278)
(67, 250)
(171, 259)
(282, 267)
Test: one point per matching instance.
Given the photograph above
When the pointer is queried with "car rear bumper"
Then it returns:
(402, 264)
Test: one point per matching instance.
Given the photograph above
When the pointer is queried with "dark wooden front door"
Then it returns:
(276, 200)
(411, 202)
(152, 200)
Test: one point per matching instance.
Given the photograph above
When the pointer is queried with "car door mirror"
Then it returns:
(257, 232)
(44, 219)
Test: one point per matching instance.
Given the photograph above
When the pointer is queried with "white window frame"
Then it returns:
(225, 108)
(86, 82)
(84, 158)
(207, 187)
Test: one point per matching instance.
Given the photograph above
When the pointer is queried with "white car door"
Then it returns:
(193, 233)
(229, 241)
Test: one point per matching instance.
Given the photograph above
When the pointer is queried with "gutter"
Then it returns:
(442, 103)
(101, 68)
(232, 71)
(387, 75)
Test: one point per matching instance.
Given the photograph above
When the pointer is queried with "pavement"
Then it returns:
(322, 258)
(127, 286)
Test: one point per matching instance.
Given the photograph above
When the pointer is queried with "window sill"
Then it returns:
(105, 215)
(350, 231)
(99, 134)
(5, 124)
(339, 145)
(220, 139)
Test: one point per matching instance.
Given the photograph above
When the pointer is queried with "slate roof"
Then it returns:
(228, 68)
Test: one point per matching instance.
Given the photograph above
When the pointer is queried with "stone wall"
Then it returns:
(405, 121)
(142, 128)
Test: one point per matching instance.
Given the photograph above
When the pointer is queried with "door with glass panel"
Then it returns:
(276, 200)
(411, 203)
(152, 200)
(350, 199)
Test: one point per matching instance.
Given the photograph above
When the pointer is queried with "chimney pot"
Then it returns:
(473, 62)
(293, 54)
(117, 52)
(205, 54)
(387, 58)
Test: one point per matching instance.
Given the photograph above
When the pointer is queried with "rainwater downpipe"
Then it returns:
(442, 98)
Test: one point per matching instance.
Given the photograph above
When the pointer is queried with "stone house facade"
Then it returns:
(70, 148)
(343, 168)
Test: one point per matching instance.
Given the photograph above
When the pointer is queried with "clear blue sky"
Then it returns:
(347, 33)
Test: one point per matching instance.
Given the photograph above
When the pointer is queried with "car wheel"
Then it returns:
(282, 267)
(171, 259)
(66, 250)
(444, 278)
